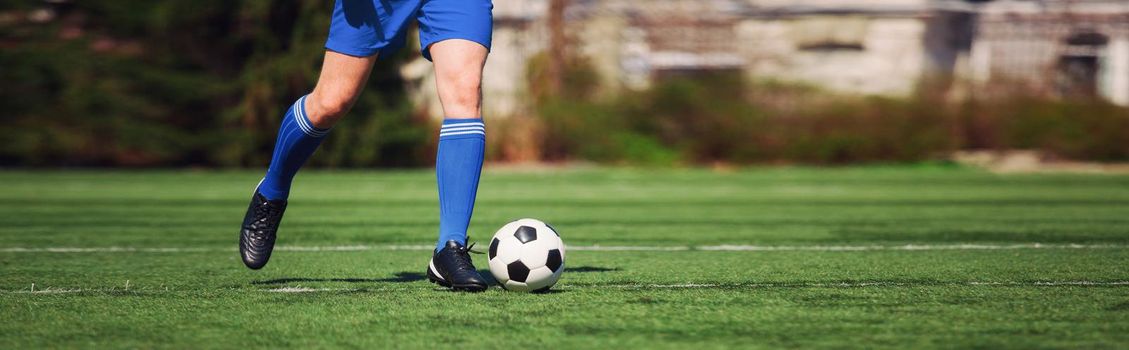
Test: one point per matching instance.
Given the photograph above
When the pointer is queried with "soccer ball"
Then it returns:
(526, 255)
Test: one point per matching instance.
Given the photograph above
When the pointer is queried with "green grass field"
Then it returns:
(881, 257)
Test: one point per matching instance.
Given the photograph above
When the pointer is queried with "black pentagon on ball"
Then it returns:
(518, 271)
(526, 234)
(553, 262)
(494, 248)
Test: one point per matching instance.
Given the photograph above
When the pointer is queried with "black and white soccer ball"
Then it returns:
(527, 255)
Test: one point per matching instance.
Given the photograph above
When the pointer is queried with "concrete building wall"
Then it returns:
(601, 42)
(879, 47)
(505, 77)
(1119, 71)
(1030, 45)
(853, 54)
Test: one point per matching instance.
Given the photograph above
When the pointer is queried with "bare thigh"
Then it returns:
(342, 80)
(458, 76)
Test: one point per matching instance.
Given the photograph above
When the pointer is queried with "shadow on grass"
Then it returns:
(1119, 307)
(407, 277)
(400, 277)
(493, 283)
(584, 269)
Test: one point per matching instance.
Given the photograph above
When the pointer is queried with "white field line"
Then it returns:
(912, 247)
(864, 284)
(725, 248)
(300, 289)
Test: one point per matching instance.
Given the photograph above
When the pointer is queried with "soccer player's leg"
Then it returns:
(304, 126)
(359, 31)
(458, 162)
(455, 35)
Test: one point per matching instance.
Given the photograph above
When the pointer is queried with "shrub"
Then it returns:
(1084, 129)
(721, 118)
(179, 82)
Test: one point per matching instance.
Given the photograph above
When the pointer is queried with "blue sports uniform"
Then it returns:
(366, 27)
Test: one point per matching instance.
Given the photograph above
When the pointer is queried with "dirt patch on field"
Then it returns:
(1033, 162)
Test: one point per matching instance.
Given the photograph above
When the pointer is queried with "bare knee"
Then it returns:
(465, 104)
(464, 96)
(324, 110)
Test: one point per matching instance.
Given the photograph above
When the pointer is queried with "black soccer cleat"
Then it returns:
(451, 267)
(260, 225)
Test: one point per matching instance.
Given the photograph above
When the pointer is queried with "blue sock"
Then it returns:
(458, 164)
(297, 140)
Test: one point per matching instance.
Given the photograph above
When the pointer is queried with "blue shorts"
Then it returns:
(367, 27)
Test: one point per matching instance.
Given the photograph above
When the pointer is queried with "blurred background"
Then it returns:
(204, 83)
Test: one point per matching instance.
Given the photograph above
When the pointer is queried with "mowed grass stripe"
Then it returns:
(570, 287)
(720, 248)
(847, 206)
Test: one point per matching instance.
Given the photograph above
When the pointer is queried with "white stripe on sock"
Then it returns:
(442, 135)
(463, 129)
(298, 110)
(310, 129)
(299, 117)
(304, 123)
(463, 124)
(466, 125)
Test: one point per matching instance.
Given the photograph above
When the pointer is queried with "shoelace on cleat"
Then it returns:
(465, 263)
(263, 220)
